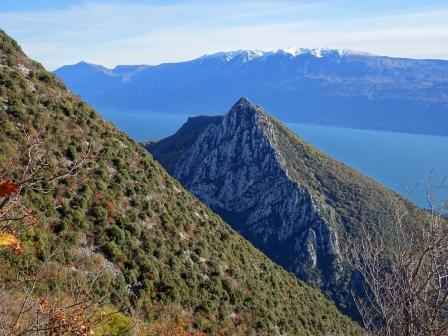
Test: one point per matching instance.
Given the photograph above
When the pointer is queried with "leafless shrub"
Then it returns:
(405, 273)
(29, 311)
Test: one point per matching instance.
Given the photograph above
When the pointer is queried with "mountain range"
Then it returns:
(296, 204)
(153, 250)
(321, 86)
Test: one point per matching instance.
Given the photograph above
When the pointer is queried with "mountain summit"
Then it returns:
(289, 199)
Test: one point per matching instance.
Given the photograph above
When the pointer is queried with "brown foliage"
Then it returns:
(9, 239)
(70, 310)
(7, 188)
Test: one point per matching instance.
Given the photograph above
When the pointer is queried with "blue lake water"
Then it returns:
(399, 161)
(144, 125)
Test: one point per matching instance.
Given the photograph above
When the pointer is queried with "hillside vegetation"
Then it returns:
(153, 249)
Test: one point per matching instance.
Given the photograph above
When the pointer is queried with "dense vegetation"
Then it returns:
(154, 248)
(355, 197)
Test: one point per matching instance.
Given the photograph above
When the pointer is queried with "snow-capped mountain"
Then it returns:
(322, 86)
(226, 56)
(249, 55)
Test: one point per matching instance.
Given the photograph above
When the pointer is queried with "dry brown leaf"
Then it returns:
(9, 239)
(7, 188)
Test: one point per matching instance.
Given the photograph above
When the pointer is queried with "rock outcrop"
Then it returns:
(237, 169)
(290, 200)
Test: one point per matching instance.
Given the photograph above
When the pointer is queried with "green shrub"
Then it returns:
(111, 250)
(71, 152)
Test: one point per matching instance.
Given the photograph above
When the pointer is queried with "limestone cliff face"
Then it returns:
(235, 167)
(292, 201)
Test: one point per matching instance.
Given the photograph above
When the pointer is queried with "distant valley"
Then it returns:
(326, 87)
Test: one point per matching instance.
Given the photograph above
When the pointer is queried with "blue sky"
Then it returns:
(58, 32)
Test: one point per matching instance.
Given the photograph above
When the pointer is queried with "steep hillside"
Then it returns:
(151, 246)
(291, 200)
(328, 87)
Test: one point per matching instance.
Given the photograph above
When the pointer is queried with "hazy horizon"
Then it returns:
(117, 32)
(111, 67)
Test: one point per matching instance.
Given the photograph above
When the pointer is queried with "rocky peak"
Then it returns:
(243, 114)
(235, 166)
(224, 146)
(243, 104)
(289, 199)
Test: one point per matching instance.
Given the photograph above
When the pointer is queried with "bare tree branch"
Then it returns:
(405, 273)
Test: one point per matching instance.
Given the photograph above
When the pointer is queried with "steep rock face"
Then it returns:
(293, 202)
(235, 168)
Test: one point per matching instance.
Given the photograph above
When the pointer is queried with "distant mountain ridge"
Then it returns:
(292, 201)
(249, 55)
(321, 86)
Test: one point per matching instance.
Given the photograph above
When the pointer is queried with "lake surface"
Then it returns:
(144, 125)
(400, 161)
